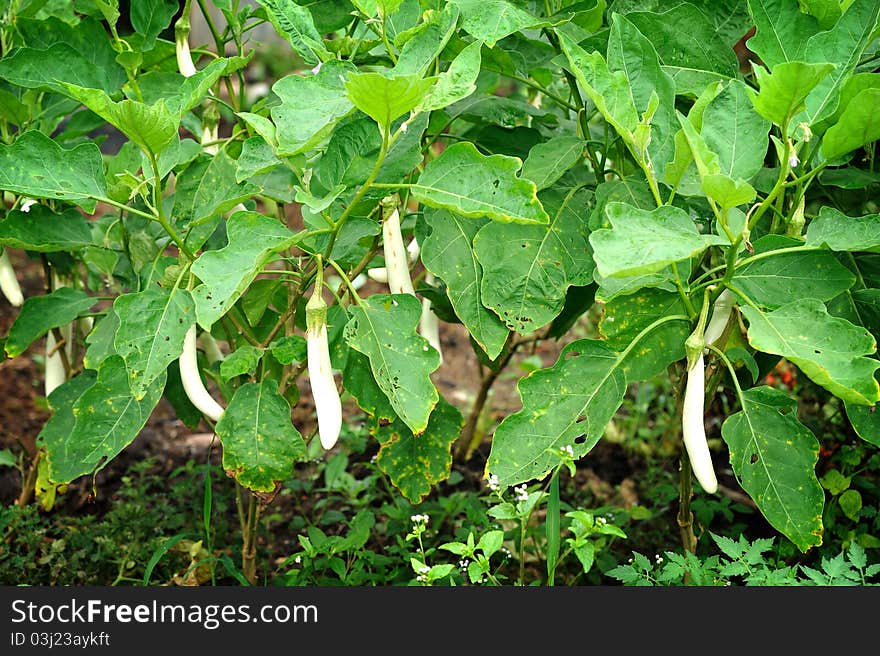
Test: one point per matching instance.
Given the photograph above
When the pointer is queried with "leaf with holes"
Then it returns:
(260, 444)
(383, 327)
(567, 405)
(417, 463)
(830, 350)
(774, 458)
(474, 185)
(107, 418)
(226, 273)
(152, 325)
(448, 253)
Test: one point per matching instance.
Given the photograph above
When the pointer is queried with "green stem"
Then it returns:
(346, 281)
(157, 201)
(681, 292)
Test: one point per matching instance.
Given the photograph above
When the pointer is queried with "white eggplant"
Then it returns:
(396, 258)
(8, 282)
(693, 428)
(721, 311)
(192, 380)
(429, 326)
(184, 58)
(328, 406)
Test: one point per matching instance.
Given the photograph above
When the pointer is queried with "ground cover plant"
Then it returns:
(657, 223)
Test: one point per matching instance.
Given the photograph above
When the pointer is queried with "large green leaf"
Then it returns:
(859, 125)
(527, 269)
(45, 69)
(150, 17)
(358, 380)
(107, 418)
(296, 24)
(774, 458)
(416, 463)
(39, 314)
(448, 253)
(226, 273)
(549, 160)
(492, 20)
(774, 281)
(471, 184)
(152, 325)
(36, 166)
(56, 430)
(842, 45)
(567, 405)
(383, 327)
(310, 106)
(204, 190)
(784, 89)
(830, 350)
(734, 131)
(640, 241)
(782, 31)
(44, 231)
(626, 316)
(419, 53)
(695, 56)
(457, 82)
(631, 53)
(832, 228)
(385, 99)
(260, 444)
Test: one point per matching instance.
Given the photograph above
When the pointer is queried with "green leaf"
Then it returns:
(642, 241)
(774, 458)
(552, 527)
(107, 419)
(774, 281)
(385, 99)
(226, 273)
(828, 349)
(260, 444)
(204, 190)
(693, 57)
(726, 191)
(630, 52)
(416, 463)
(358, 380)
(455, 83)
(7, 458)
(44, 231)
(60, 425)
(289, 349)
(383, 327)
(548, 161)
(782, 31)
(851, 504)
(527, 269)
(832, 228)
(865, 421)
(150, 17)
(609, 91)
(243, 360)
(841, 45)
(36, 166)
(448, 253)
(45, 69)
(784, 89)
(296, 24)
(39, 314)
(310, 106)
(858, 126)
(735, 132)
(419, 53)
(568, 404)
(471, 184)
(152, 325)
(100, 341)
(151, 127)
(492, 20)
(625, 317)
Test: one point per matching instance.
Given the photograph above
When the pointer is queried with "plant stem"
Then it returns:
(685, 516)
(249, 541)
(28, 484)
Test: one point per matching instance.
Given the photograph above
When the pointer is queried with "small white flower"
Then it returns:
(316, 69)
(492, 483)
(403, 126)
(521, 492)
(298, 560)
(793, 160)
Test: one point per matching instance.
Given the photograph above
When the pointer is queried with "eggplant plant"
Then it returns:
(702, 176)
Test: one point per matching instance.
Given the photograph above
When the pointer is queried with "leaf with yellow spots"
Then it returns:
(40, 314)
(416, 463)
(830, 350)
(106, 418)
(627, 316)
(152, 325)
(260, 444)
(567, 405)
(774, 458)
(383, 327)
(865, 421)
